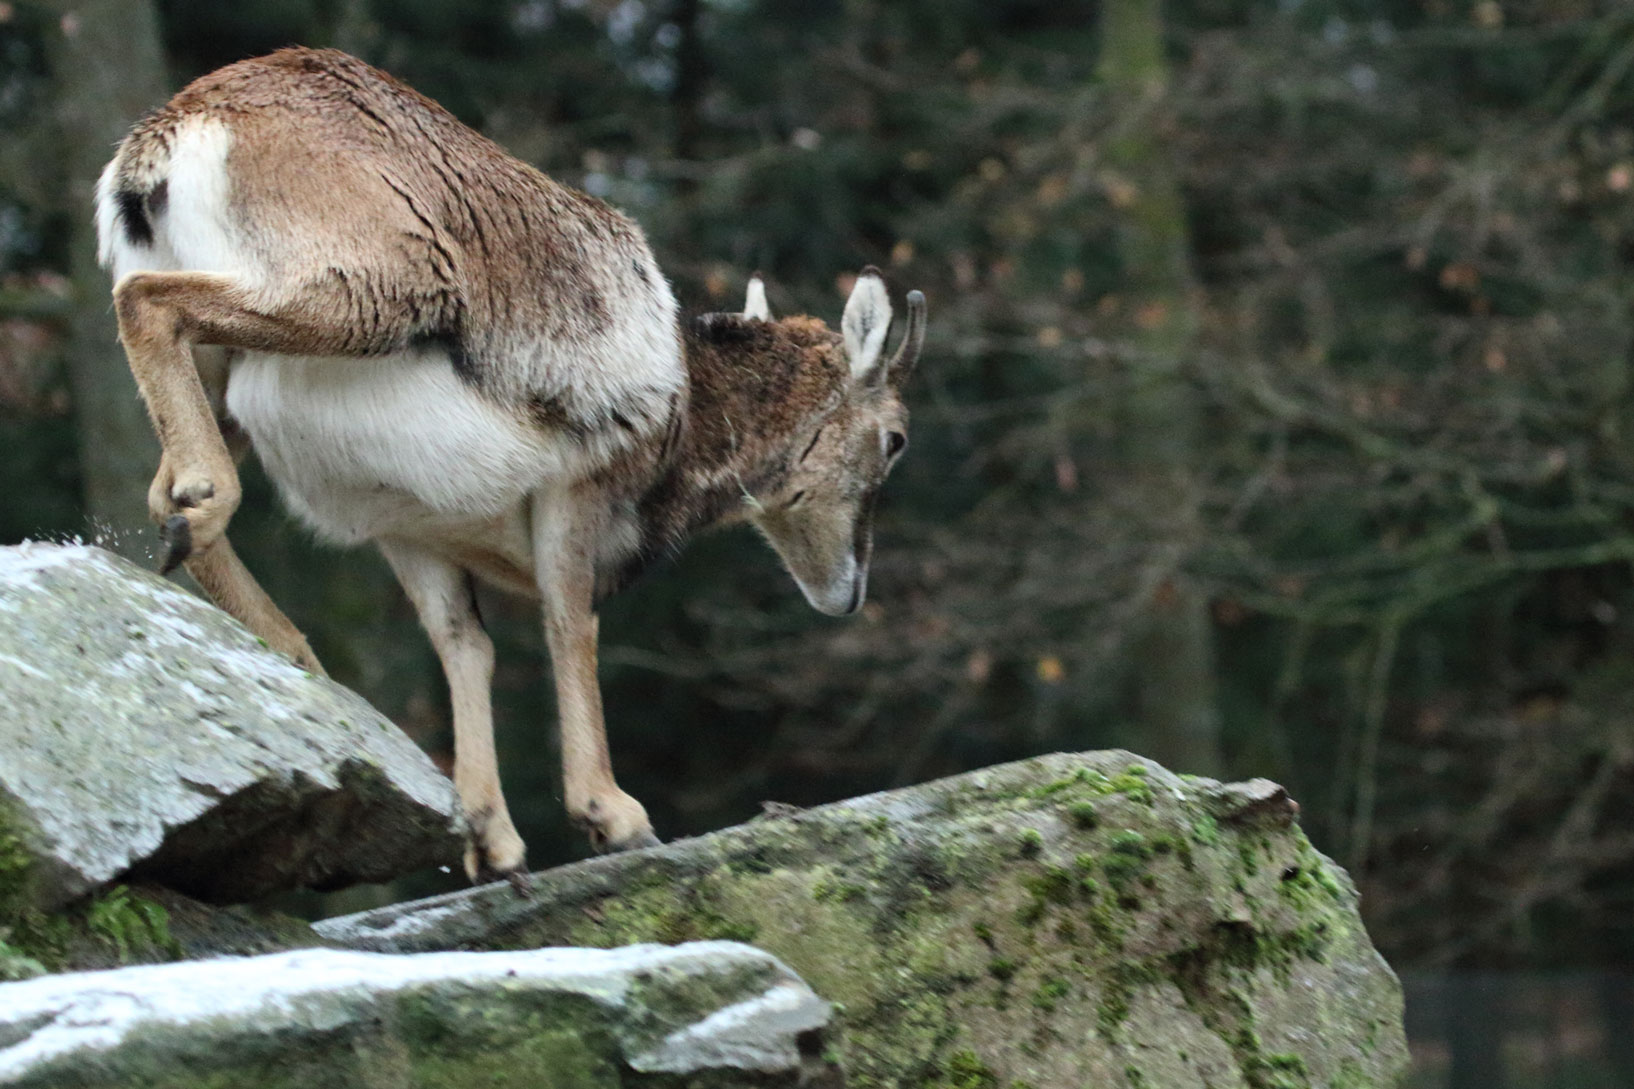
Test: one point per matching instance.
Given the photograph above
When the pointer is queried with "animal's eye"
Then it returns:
(795, 500)
(894, 442)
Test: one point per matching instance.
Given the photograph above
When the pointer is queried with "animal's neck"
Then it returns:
(752, 387)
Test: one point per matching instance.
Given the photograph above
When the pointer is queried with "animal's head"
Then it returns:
(821, 517)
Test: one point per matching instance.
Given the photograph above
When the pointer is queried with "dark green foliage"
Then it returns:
(1410, 485)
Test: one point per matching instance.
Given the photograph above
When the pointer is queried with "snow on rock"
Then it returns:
(325, 1017)
(144, 730)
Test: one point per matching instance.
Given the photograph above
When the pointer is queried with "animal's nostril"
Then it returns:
(856, 596)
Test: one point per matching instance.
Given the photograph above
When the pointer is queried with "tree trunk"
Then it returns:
(108, 70)
(1174, 653)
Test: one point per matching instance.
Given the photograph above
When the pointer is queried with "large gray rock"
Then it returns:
(1073, 920)
(706, 1014)
(146, 732)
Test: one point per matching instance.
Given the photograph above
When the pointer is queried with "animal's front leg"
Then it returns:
(563, 546)
(442, 595)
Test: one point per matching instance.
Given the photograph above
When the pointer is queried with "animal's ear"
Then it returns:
(755, 306)
(867, 320)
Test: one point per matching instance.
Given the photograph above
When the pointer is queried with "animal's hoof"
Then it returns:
(634, 842)
(308, 661)
(505, 861)
(613, 820)
(177, 534)
(519, 879)
(192, 507)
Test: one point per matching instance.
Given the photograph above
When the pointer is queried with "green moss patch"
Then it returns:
(16, 866)
(1028, 925)
(114, 928)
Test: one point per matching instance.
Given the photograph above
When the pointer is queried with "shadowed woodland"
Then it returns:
(1274, 420)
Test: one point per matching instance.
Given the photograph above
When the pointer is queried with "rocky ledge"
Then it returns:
(709, 1014)
(1071, 920)
(148, 734)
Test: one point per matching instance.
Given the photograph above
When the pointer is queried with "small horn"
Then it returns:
(755, 305)
(907, 353)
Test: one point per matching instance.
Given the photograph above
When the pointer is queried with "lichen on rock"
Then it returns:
(1080, 919)
(148, 733)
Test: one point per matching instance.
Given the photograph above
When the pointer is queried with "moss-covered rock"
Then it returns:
(141, 924)
(1071, 920)
(16, 965)
(710, 1016)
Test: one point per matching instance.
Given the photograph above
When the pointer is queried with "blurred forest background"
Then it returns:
(1277, 419)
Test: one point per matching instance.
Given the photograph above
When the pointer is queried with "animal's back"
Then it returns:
(317, 181)
(317, 167)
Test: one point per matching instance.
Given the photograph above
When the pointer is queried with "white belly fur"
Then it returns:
(394, 445)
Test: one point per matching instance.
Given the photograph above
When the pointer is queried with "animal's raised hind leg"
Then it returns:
(197, 481)
(162, 317)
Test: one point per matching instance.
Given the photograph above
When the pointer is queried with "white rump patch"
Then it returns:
(107, 218)
(197, 223)
(195, 229)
